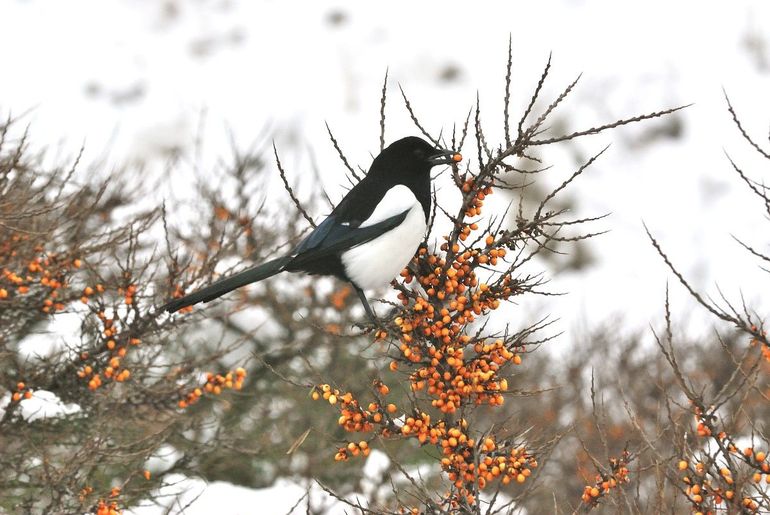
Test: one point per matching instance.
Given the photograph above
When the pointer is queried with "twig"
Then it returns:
(289, 190)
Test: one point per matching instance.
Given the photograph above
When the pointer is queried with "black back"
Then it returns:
(404, 162)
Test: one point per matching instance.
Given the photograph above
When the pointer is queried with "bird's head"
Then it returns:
(412, 157)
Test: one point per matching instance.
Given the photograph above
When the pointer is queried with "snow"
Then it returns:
(148, 79)
(62, 331)
(163, 459)
(377, 464)
(41, 405)
(193, 496)
(44, 404)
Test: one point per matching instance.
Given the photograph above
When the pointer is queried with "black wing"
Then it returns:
(331, 238)
(317, 253)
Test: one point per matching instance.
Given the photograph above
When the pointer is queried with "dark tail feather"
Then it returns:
(227, 284)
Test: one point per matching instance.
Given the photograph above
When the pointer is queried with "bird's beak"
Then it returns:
(444, 157)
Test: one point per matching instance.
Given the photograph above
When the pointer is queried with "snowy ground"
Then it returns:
(147, 78)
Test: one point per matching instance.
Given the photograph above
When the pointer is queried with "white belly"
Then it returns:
(374, 264)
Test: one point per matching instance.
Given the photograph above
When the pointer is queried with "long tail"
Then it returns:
(228, 284)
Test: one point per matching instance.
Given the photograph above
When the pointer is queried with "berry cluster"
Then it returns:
(353, 418)
(88, 291)
(21, 392)
(467, 462)
(709, 485)
(214, 384)
(462, 454)
(704, 492)
(606, 481)
(44, 275)
(103, 507)
(476, 194)
(109, 362)
(706, 489)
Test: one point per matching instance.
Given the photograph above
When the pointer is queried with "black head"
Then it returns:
(410, 159)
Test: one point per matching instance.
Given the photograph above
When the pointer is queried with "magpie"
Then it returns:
(368, 238)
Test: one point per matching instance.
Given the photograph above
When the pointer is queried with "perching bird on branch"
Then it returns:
(369, 237)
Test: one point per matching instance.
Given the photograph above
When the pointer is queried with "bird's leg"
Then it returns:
(367, 307)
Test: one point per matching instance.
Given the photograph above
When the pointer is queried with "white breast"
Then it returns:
(374, 264)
